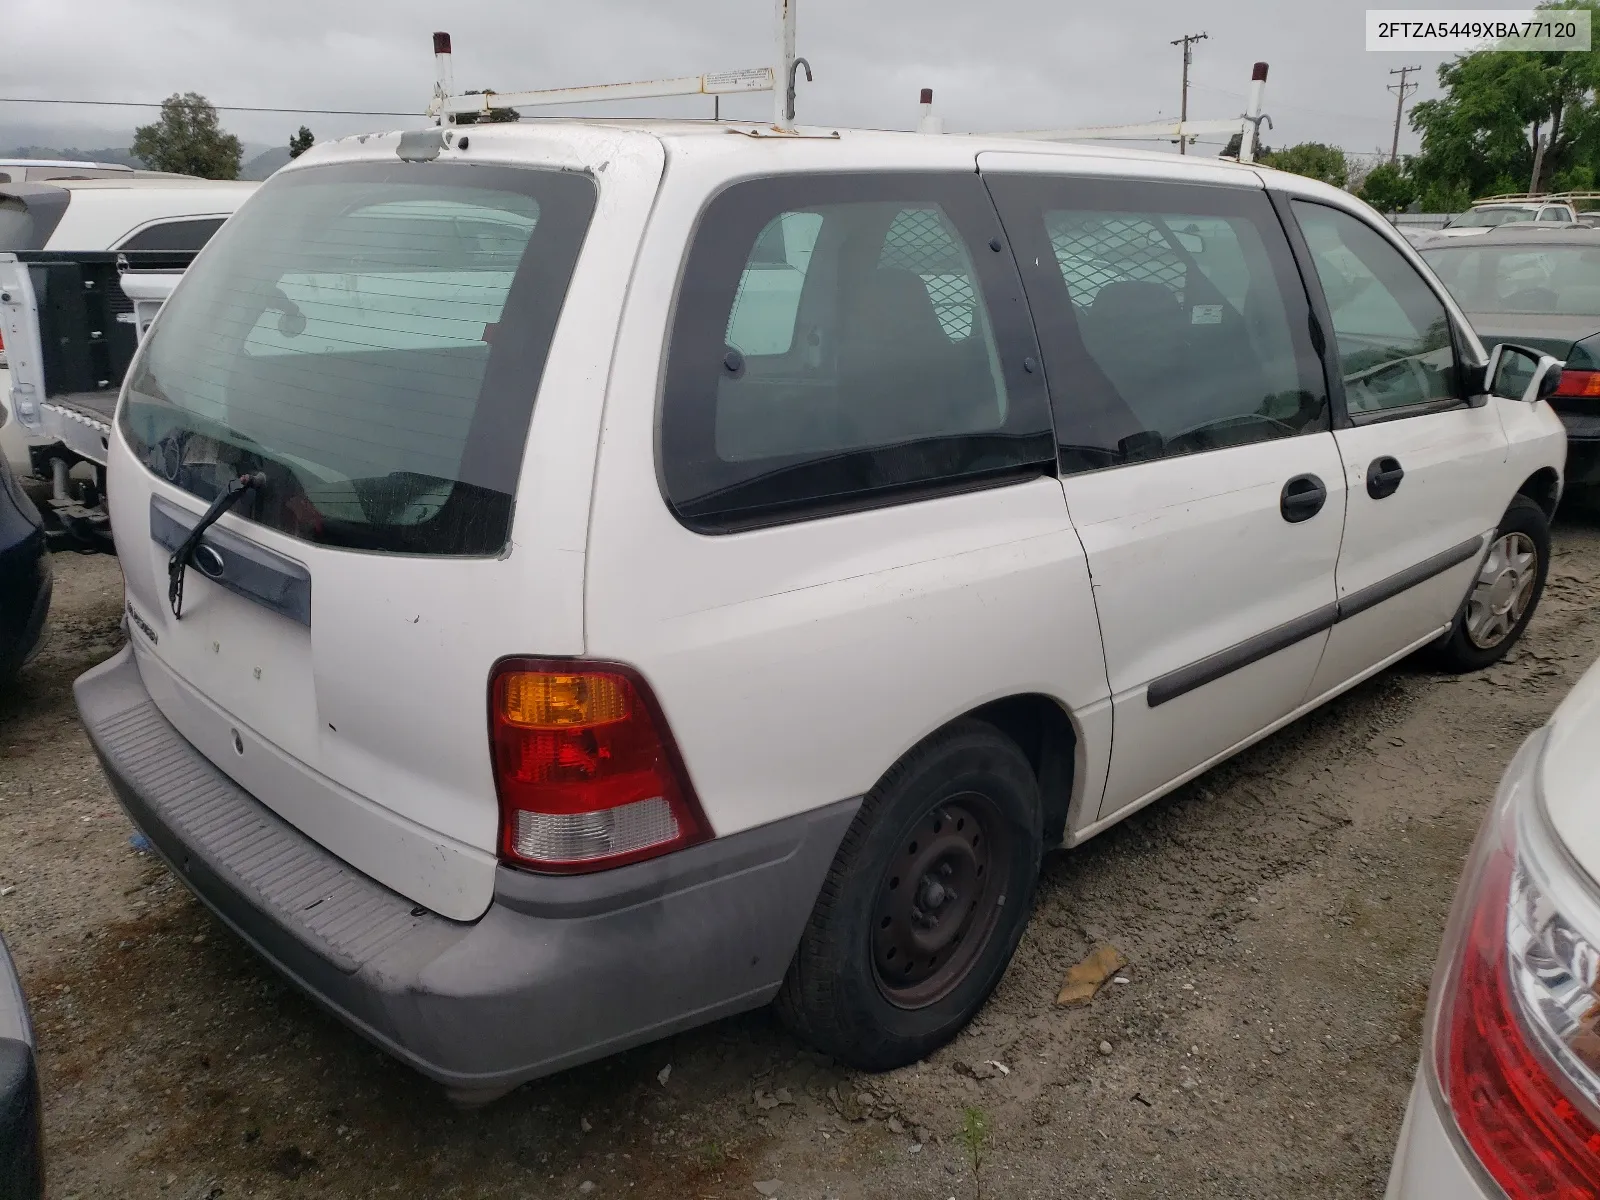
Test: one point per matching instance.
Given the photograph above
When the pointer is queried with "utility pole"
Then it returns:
(1187, 42)
(1401, 90)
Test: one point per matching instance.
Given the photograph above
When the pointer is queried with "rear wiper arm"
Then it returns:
(226, 499)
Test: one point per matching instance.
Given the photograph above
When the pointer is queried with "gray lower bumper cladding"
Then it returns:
(559, 971)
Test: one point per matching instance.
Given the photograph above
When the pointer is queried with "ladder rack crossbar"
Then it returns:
(718, 83)
(779, 79)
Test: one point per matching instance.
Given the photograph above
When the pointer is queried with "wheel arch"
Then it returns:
(1543, 487)
(1050, 741)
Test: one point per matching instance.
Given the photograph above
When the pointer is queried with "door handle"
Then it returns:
(1383, 477)
(1302, 498)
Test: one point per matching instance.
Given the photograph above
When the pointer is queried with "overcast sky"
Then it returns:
(994, 64)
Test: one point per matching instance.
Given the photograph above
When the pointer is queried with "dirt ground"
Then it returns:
(1280, 916)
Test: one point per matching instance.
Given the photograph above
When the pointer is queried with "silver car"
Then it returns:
(1507, 1096)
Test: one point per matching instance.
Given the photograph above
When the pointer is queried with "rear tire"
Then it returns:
(924, 905)
(1504, 595)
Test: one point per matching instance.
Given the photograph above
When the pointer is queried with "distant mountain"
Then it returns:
(266, 160)
(265, 163)
(104, 154)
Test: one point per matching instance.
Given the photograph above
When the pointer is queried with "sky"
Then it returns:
(993, 64)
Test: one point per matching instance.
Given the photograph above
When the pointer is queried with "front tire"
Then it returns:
(1504, 595)
(927, 898)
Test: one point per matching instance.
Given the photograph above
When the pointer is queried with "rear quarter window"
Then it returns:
(845, 342)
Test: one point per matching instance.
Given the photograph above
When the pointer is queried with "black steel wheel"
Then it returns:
(927, 898)
(938, 901)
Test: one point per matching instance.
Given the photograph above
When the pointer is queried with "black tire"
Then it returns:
(842, 993)
(1471, 645)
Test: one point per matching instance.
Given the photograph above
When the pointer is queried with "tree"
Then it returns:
(1388, 188)
(189, 140)
(1313, 160)
(1509, 122)
(493, 116)
(301, 142)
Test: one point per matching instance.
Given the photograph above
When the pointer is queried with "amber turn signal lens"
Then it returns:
(548, 701)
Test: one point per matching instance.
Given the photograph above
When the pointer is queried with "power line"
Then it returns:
(314, 112)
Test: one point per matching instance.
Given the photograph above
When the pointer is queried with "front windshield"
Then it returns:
(1488, 218)
(1559, 280)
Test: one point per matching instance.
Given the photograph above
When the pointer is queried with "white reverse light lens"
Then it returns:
(579, 837)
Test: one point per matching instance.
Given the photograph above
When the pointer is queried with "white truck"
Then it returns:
(84, 265)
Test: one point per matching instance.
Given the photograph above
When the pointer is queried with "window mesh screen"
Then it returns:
(919, 242)
(1095, 250)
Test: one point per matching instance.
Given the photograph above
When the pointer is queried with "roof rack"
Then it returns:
(779, 79)
(1247, 125)
(1540, 198)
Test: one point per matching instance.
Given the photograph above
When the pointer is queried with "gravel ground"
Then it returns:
(1280, 916)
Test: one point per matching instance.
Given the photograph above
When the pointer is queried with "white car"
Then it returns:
(114, 209)
(1507, 1097)
(1481, 218)
(660, 569)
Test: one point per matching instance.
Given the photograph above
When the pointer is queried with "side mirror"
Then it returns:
(1518, 373)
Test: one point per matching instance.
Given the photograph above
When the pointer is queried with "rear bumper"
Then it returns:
(559, 971)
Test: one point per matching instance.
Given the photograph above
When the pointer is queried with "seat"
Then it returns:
(1136, 332)
(900, 375)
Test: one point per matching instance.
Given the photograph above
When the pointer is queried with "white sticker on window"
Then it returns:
(1205, 314)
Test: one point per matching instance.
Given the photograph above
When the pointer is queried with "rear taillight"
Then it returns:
(587, 773)
(1515, 1043)
(1579, 383)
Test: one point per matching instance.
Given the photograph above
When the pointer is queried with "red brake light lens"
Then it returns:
(586, 770)
(1519, 1121)
(1516, 1048)
(1579, 383)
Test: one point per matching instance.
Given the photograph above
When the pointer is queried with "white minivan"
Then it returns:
(675, 567)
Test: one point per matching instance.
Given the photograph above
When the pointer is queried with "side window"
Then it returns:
(174, 235)
(1554, 214)
(836, 346)
(1392, 331)
(1172, 317)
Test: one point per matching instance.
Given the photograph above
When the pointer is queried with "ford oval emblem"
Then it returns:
(209, 561)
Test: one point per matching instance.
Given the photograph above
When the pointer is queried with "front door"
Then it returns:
(1421, 457)
(1197, 458)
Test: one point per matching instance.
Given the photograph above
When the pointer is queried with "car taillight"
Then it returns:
(1515, 1017)
(1579, 383)
(587, 772)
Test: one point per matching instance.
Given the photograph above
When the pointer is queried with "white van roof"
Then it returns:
(64, 162)
(558, 139)
(103, 212)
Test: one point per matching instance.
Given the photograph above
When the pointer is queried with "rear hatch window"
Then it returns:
(371, 337)
(29, 214)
